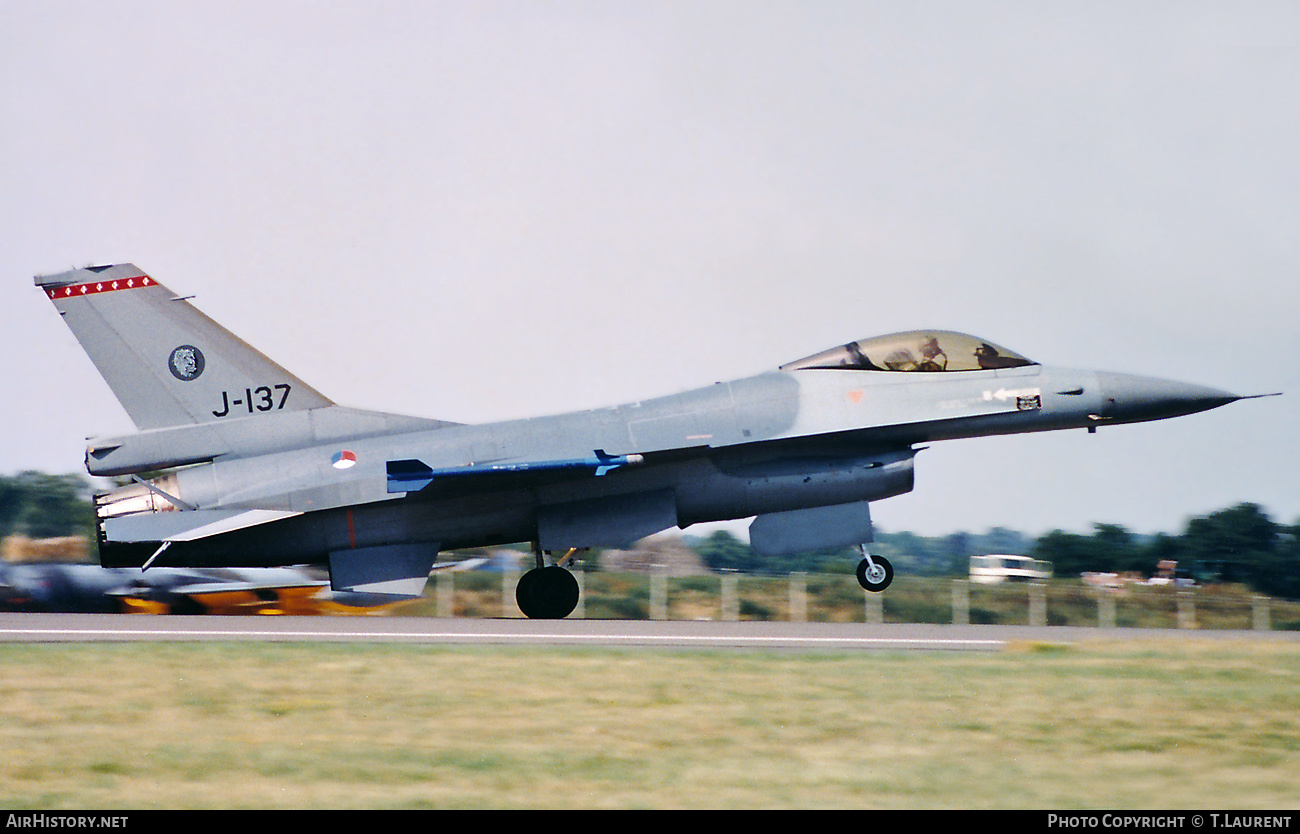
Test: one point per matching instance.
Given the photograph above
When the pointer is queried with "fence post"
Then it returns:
(730, 597)
(798, 597)
(1037, 604)
(1105, 609)
(509, 607)
(444, 582)
(1260, 613)
(960, 602)
(658, 595)
(873, 607)
(1186, 608)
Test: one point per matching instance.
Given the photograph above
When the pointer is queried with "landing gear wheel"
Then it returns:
(547, 593)
(875, 577)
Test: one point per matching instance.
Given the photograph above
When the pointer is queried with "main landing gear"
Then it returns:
(874, 572)
(551, 592)
(548, 593)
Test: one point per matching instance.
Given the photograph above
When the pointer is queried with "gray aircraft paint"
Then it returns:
(272, 472)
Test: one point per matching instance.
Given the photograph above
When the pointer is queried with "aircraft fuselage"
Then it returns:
(779, 441)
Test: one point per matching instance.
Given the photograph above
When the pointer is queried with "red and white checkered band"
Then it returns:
(94, 287)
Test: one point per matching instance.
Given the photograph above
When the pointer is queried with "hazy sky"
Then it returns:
(486, 210)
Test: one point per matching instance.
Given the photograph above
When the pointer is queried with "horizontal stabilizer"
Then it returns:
(185, 526)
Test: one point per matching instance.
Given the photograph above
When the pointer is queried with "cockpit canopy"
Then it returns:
(916, 350)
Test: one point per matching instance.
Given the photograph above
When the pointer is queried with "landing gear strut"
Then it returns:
(547, 593)
(874, 572)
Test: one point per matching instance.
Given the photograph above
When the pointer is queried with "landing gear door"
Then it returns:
(817, 528)
(613, 521)
(397, 569)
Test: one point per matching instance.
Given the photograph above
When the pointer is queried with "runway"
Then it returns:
(117, 628)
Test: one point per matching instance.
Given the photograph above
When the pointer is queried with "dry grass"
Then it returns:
(247, 725)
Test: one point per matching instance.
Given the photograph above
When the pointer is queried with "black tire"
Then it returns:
(547, 593)
(880, 585)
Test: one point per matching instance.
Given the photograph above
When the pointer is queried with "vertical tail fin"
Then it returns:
(167, 363)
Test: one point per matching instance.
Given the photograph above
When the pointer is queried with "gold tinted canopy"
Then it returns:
(915, 350)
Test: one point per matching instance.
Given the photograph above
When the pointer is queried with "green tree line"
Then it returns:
(41, 506)
(1240, 544)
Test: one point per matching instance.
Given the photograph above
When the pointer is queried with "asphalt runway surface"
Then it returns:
(117, 628)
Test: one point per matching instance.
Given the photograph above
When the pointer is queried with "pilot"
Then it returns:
(931, 353)
(988, 357)
(858, 359)
(901, 360)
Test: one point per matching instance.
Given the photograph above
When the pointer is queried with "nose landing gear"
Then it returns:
(874, 572)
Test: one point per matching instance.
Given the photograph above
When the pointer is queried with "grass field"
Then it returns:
(1177, 724)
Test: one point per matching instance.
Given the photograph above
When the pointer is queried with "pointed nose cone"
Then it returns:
(1133, 399)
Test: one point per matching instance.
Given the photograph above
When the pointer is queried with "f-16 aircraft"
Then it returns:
(261, 469)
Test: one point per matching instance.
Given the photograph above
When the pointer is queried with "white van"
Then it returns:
(988, 570)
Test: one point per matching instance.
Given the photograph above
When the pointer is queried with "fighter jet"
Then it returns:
(261, 469)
